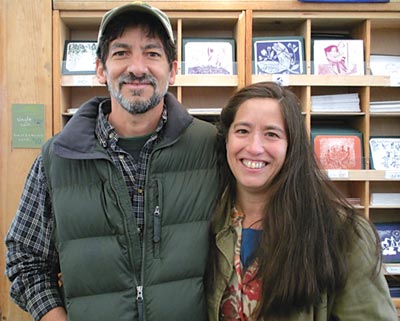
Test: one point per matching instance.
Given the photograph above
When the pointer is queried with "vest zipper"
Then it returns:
(139, 300)
(139, 286)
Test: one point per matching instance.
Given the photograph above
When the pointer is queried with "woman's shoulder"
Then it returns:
(364, 250)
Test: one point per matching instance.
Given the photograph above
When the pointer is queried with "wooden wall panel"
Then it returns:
(25, 77)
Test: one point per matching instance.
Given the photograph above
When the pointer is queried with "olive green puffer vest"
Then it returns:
(103, 264)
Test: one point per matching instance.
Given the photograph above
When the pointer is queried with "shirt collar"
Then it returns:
(107, 134)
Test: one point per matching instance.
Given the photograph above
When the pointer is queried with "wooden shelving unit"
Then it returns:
(378, 25)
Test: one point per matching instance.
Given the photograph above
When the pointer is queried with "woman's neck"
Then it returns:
(253, 207)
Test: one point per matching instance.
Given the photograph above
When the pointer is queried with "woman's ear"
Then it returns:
(100, 72)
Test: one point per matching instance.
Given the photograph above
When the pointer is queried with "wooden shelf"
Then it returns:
(318, 80)
(206, 80)
(232, 80)
(378, 25)
(190, 5)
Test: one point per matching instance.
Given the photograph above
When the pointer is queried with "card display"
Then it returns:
(278, 55)
(389, 234)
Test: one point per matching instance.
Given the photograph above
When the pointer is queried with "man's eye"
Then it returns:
(119, 53)
(153, 54)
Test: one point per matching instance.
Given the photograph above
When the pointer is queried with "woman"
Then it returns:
(285, 243)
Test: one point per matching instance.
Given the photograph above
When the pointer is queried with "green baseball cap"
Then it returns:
(136, 6)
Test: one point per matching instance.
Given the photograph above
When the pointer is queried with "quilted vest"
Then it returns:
(107, 275)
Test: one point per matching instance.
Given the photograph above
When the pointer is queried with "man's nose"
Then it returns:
(137, 65)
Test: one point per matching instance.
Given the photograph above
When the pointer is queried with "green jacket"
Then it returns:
(102, 260)
(363, 298)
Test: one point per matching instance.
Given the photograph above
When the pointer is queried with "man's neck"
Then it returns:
(131, 125)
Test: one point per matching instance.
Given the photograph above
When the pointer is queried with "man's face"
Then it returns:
(137, 71)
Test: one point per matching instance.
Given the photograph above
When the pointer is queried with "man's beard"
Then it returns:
(136, 107)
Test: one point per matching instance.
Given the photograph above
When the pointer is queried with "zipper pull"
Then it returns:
(157, 225)
(139, 301)
(157, 211)
(139, 291)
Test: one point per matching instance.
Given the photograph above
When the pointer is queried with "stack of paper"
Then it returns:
(335, 103)
(204, 111)
(385, 199)
(392, 106)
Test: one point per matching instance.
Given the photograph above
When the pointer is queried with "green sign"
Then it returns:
(28, 129)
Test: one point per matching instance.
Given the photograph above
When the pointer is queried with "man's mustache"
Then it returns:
(132, 78)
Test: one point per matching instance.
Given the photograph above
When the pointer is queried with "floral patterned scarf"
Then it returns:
(243, 291)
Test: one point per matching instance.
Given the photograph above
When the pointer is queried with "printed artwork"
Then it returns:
(385, 153)
(278, 56)
(389, 234)
(338, 57)
(385, 65)
(338, 152)
(80, 57)
(208, 56)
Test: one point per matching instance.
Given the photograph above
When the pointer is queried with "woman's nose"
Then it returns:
(255, 144)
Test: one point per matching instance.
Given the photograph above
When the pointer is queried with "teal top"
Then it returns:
(250, 240)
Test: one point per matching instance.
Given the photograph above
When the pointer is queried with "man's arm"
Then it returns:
(57, 314)
(32, 260)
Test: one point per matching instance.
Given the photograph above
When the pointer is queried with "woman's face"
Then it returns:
(256, 144)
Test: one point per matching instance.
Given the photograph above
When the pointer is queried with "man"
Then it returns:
(116, 206)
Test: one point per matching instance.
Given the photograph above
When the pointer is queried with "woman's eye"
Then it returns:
(272, 135)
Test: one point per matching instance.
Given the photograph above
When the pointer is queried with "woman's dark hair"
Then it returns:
(308, 224)
(118, 25)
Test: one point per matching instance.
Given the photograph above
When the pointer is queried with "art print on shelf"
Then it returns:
(79, 58)
(382, 65)
(385, 153)
(338, 57)
(278, 55)
(338, 151)
(389, 234)
(208, 56)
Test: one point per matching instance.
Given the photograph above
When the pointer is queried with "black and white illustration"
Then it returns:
(389, 234)
(208, 56)
(278, 55)
(79, 57)
(385, 153)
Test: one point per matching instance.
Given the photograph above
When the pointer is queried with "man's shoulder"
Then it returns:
(204, 127)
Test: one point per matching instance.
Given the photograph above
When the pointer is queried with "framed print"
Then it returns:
(278, 55)
(79, 57)
(338, 151)
(338, 57)
(385, 153)
(212, 56)
(389, 235)
(382, 65)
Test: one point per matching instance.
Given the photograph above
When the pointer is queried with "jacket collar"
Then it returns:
(78, 140)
